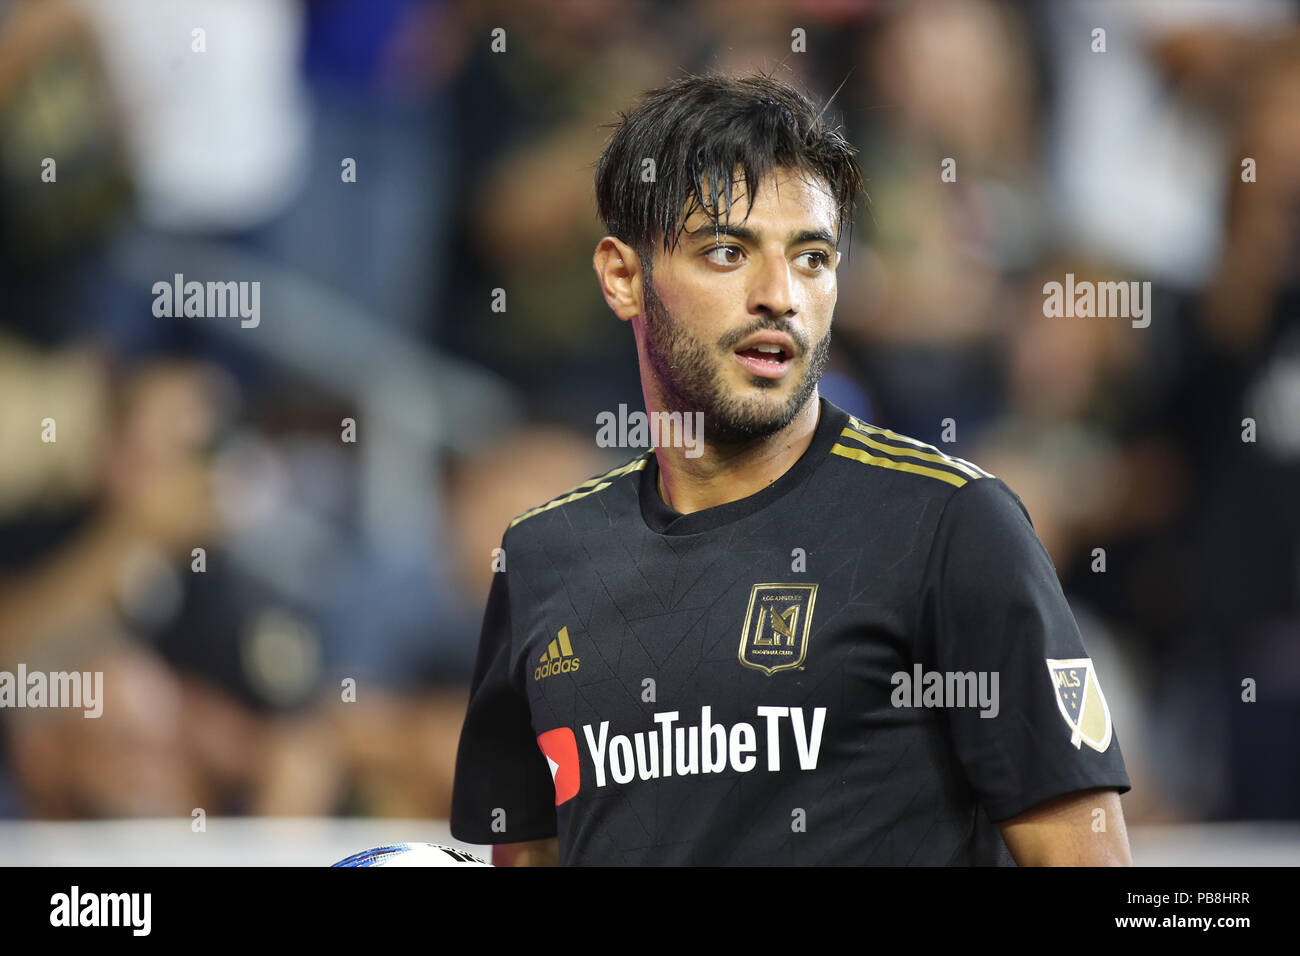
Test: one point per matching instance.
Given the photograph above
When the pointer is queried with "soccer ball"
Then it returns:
(412, 854)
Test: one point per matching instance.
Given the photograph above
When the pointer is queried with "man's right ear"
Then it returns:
(618, 270)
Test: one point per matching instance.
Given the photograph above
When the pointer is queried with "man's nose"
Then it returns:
(773, 290)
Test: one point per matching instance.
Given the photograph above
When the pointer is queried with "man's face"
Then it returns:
(737, 321)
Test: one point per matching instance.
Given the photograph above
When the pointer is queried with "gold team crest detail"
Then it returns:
(777, 624)
(1079, 697)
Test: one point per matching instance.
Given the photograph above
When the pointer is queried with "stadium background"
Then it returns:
(370, 560)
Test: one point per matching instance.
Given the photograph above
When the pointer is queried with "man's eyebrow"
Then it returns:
(749, 235)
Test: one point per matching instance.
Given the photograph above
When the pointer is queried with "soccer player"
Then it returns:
(802, 639)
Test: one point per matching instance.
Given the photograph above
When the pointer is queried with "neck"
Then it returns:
(725, 473)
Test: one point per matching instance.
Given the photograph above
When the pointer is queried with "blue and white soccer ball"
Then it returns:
(412, 854)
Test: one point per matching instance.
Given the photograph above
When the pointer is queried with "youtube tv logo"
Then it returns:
(560, 747)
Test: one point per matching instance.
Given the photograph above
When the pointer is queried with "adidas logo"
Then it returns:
(558, 657)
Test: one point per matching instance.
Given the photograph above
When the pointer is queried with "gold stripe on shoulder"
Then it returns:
(588, 487)
(861, 431)
(935, 457)
(858, 454)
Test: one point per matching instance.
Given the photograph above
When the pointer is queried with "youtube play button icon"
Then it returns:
(561, 749)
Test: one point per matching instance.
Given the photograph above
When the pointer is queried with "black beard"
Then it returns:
(691, 380)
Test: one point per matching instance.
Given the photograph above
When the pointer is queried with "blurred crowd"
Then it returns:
(286, 619)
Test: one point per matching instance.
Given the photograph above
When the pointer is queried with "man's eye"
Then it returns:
(818, 260)
(724, 255)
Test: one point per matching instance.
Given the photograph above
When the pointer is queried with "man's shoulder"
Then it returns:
(869, 458)
(581, 495)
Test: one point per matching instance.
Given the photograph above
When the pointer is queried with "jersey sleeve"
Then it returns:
(996, 607)
(502, 791)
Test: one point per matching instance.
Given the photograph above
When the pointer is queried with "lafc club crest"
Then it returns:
(1079, 697)
(777, 624)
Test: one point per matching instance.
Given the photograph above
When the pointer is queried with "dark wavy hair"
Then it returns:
(700, 130)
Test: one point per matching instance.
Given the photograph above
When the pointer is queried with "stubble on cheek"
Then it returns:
(692, 376)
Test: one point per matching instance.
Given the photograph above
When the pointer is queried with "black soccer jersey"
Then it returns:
(869, 661)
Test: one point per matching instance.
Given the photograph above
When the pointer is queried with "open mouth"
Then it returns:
(768, 361)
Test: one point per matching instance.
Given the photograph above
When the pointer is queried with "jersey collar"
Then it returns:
(664, 520)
